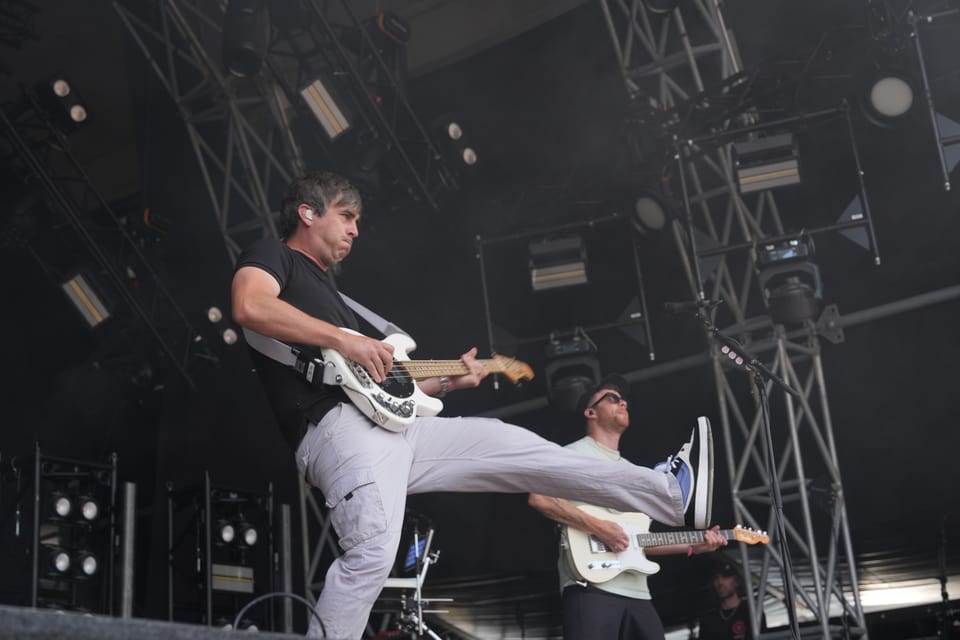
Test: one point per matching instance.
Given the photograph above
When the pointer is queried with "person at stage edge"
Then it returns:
(283, 290)
(731, 619)
(619, 608)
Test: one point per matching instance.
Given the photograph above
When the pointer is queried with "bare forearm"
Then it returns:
(278, 319)
(562, 511)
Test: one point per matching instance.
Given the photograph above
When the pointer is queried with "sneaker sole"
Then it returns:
(703, 502)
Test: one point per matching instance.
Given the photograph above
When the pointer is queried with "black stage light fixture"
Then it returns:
(650, 213)
(59, 560)
(246, 32)
(89, 509)
(60, 504)
(572, 368)
(86, 299)
(767, 162)
(86, 565)
(557, 262)
(329, 111)
(455, 141)
(248, 533)
(226, 532)
(789, 279)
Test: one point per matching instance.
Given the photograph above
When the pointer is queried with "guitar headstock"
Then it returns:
(516, 371)
(750, 536)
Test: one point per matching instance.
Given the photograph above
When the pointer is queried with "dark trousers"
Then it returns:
(592, 614)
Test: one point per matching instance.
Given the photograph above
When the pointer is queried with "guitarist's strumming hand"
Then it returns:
(611, 535)
(373, 355)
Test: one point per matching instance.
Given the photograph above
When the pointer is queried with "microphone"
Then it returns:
(691, 305)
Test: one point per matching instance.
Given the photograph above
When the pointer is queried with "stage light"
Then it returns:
(89, 509)
(557, 262)
(226, 531)
(454, 131)
(649, 213)
(61, 505)
(767, 162)
(59, 560)
(572, 368)
(888, 96)
(469, 156)
(248, 534)
(86, 300)
(325, 109)
(88, 563)
(214, 315)
(229, 336)
(246, 33)
(789, 279)
(78, 113)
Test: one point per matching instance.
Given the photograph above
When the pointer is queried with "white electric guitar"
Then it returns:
(595, 563)
(397, 401)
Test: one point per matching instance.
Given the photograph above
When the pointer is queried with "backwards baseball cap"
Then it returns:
(613, 381)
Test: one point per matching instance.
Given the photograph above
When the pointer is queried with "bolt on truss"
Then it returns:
(686, 62)
(243, 130)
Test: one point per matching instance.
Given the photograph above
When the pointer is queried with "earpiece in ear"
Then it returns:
(308, 214)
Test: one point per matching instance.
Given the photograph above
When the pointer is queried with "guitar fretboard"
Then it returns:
(664, 538)
(423, 369)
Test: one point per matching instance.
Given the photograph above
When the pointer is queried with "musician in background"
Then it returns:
(283, 290)
(619, 608)
(731, 619)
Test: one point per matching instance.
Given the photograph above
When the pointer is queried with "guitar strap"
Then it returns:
(306, 364)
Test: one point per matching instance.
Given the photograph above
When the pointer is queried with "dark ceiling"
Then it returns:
(547, 111)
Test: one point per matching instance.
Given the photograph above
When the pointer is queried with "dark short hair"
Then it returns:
(320, 189)
(612, 381)
(726, 569)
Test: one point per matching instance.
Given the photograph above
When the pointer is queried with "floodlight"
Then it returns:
(61, 504)
(88, 563)
(767, 163)
(557, 262)
(214, 314)
(328, 112)
(226, 531)
(247, 534)
(888, 96)
(86, 300)
(89, 509)
(59, 560)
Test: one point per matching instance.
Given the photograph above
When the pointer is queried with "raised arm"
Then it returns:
(257, 306)
(566, 513)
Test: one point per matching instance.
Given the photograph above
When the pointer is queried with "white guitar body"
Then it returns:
(594, 562)
(396, 402)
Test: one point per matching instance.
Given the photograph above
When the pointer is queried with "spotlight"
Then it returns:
(789, 279)
(229, 336)
(454, 131)
(214, 315)
(88, 563)
(59, 560)
(469, 156)
(89, 509)
(248, 534)
(226, 531)
(887, 97)
(61, 505)
(572, 367)
(649, 213)
(767, 162)
(557, 262)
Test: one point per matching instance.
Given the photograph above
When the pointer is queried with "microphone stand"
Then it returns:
(760, 373)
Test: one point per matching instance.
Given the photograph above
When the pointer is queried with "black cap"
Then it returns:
(612, 381)
(726, 569)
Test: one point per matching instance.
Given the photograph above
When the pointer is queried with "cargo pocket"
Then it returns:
(356, 508)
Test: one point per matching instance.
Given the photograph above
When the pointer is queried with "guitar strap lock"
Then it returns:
(309, 366)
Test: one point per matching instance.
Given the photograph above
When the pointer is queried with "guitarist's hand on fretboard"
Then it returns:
(477, 371)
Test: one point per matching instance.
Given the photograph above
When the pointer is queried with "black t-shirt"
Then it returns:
(306, 286)
(725, 624)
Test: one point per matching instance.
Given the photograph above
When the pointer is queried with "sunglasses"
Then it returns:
(612, 398)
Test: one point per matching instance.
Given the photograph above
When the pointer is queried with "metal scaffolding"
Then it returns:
(686, 62)
(246, 132)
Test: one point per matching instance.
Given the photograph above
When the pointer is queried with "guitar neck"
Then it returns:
(423, 369)
(664, 538)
